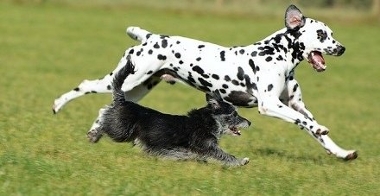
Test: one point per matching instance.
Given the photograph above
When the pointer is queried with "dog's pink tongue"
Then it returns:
(318, 61)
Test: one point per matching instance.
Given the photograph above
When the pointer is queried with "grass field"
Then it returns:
(46, 50)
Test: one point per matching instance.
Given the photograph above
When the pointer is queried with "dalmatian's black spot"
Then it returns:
(249, 84)
(227, 78)
(204, 88)
(201, 46)
(253, 66)
(222, 56)
(216, 77)
(254, 53)
(156, 46)
(164, 43)
(198, 69)
(297, 121)
(222, 91)
(277, 39)
(266, 50)
(295, 87)
(149, 72)
(148, 35)
(177, 55)
(225, 86)
(254, 86)
(268, 59)
(161, 57)
(150, 51)
(240, 74)
(76, 89)
(205, 84)
(180, 62)
(321, 35)
(177, 42)
(198, 59)
(241, 51)
(270, 86)
(109, 87)
(144, 44)
(235, 82)
(279, 58)
(191, 79)
(131, 51)
(297, 52)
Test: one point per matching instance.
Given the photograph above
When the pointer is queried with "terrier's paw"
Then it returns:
(244, 161)
(94, 135)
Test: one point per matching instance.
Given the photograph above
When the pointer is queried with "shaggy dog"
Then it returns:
(194, 136)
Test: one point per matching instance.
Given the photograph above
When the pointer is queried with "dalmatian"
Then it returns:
(259, 75)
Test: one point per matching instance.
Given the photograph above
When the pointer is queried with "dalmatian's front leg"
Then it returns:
(276, 108)
(332, 148)
(268, 92)
(292, 97)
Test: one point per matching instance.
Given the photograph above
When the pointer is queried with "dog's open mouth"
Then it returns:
(316, 59)
(234, 130)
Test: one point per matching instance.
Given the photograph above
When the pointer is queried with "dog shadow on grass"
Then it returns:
(281, 154)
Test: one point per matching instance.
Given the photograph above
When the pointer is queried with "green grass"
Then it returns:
(46, 50)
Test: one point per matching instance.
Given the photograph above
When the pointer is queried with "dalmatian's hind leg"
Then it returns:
(86, 87)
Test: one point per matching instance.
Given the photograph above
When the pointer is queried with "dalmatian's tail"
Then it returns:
(138, 33)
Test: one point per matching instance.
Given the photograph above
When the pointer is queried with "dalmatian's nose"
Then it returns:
(340, 50)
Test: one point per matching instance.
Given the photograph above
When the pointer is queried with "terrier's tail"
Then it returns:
(118, 94)
(138, 33)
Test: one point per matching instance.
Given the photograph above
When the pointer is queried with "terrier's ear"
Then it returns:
(212, 101)
(294, 18)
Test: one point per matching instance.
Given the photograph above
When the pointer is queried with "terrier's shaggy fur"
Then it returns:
(194, 136)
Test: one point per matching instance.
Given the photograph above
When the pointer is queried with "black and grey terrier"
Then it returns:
(194, 136)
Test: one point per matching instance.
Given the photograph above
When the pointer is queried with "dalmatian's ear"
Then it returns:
(294, 18)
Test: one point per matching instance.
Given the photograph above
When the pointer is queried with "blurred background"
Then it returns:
(367, 9)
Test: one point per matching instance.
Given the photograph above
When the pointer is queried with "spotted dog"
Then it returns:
(258, 75)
